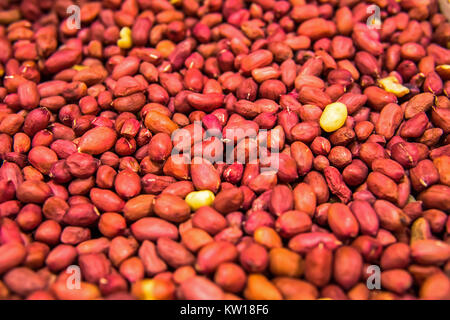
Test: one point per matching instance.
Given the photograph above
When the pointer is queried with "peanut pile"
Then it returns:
(224, 149)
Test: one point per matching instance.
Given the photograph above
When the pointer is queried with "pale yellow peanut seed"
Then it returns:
(125, 41)
(333, 116)
(198, 199)
(443, 67)
(79, 67)
(391, 84)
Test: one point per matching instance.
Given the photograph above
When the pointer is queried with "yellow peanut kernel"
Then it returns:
(175, 2)
(443, 67)
(198, 199)
(165, 47)
(333, 116)
(125, 32)
(391, 84)
(79, 67)
(125, 41)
